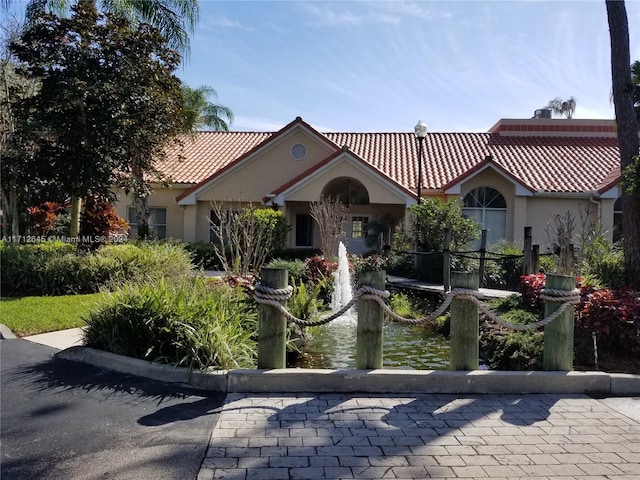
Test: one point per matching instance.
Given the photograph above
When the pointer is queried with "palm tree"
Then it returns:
(563, 107)
(200, 113)
(176, 19)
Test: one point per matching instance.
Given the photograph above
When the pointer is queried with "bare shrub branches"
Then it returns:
(330, 214)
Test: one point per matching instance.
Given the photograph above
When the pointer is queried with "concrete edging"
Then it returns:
(296, 380)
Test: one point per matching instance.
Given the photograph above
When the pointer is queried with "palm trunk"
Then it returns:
(76, 204)
(140, 204)
(627, 132)
(10, 209)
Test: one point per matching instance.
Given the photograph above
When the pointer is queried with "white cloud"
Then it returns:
(226, 22)
(258, 124)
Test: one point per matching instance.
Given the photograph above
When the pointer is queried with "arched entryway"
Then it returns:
(354, 194)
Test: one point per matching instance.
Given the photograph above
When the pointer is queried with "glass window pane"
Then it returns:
(495, 221)
(304, 230)
(133, 217)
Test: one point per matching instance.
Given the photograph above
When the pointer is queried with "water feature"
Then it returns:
(342, 288)
(334, 345)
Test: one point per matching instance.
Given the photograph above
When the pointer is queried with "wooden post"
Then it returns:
(558, 335)
(535, 259)
(483, 255)
(370, 323)
(272, 324)
(526, 251)
(446, 260)
(465, 326)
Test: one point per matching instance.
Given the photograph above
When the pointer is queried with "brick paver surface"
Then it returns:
(288, 436)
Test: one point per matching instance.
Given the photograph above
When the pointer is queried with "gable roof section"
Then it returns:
(543, 164)
(326, 162)
(265, 143)
(453, 187)
(206, 153)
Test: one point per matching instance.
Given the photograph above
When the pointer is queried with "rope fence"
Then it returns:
(271, 296)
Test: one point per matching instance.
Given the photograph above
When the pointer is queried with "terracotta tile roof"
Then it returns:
(206, 153)
(544, 163)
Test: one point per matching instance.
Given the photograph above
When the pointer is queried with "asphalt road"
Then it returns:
(71, 421)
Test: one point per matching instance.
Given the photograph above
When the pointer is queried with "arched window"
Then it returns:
(349, 190)
(487, 206)
(617, 220)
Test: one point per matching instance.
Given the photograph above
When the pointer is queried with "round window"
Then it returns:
(298, 151)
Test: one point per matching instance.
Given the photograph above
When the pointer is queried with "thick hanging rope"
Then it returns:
(273, 296)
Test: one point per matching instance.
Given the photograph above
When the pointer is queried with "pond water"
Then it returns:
(403, 346)
(406, 347)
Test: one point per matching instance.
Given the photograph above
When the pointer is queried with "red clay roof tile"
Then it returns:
(544, 163)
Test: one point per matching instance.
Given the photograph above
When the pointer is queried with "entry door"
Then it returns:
(357, 231)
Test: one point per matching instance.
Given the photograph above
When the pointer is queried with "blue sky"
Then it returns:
(382, 66)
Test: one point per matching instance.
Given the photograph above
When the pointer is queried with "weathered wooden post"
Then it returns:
(526, 250)
(535, 259)
(558, 334)
(446, 260)
(370, 323)
(483, 257)
(465, 326)
(272, 324)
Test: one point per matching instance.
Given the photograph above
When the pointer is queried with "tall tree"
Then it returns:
(635, 79)
(109, 100)
(15, 150)
(628, 144)
(200, 113)
(562, 107)
(175, 19)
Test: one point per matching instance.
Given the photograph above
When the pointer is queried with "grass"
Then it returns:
(33, 315)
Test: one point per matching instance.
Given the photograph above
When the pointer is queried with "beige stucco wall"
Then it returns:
(379, 191)
(540, 214)
(267, 171)
(160, 198)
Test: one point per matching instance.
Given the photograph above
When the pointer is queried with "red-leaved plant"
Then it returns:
(318, 269)
(614, 316)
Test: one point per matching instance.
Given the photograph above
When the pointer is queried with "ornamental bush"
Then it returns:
(614, 316)
(189, 323)
(57, 268)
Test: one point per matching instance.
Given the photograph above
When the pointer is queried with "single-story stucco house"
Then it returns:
(518, 174)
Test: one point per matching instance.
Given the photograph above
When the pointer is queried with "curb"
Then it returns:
(295, 380)
(5, 332)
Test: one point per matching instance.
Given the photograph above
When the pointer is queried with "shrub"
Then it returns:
(295, 268)
(23, 267)
(56, 268)
(530, 288)
(434, 214)
(203, 255)
(513, 350)
(319, 270)
(142, 261)
(306, 302)
(505, 272)
(614, 315)
(608, 268)
(505, 349)
(185, 323)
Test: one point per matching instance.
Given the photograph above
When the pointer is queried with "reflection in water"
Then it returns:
(334, 346)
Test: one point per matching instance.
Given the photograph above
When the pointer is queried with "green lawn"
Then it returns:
(33, 315)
